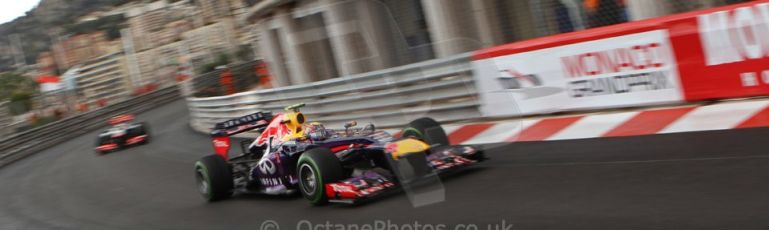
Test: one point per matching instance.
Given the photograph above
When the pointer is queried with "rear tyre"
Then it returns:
(144, 129)
(214, 178)
(315, 169)
(428, 130)
(121, 141)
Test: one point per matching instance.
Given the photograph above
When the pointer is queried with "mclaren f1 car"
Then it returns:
(122, 133)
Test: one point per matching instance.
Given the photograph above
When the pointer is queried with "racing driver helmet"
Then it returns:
(316, 132)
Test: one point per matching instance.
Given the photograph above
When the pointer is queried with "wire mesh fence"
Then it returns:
(515, 20)
(560, 16)
(242, 77)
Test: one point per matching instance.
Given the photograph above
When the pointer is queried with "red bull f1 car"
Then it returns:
(122, 134)
(348, 165)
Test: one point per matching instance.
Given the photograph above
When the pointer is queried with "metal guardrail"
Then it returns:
(441, 88)
(29, 142)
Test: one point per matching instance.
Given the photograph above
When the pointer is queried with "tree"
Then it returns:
(244, 53)
(221, 59)
(11, 84)
(111, 25)
(19, 90)
(21, 102)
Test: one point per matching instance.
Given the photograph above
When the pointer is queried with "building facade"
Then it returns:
(76, 49)
(46, 63)
(103, 78)
(147, 23)
(204, 43)
(156, 66)
(214, 10)
(159, 37)
(311, 40)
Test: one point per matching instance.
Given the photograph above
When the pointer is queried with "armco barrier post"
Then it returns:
(5, 119)
(186, 88)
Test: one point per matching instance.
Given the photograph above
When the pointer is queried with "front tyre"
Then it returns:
(214, 178)
(315, 169)
(101, 141)
(428, 130)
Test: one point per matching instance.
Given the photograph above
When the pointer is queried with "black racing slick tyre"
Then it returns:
(101, 141)
(315, 169)
(144, 129)
(214, 178)
(428, 130)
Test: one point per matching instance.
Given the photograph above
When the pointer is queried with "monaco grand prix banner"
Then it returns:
(728, 56)
(712, 54)
(634, 69)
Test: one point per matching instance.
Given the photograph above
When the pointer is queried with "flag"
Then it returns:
(49, 83)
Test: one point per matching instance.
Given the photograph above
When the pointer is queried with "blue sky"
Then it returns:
(12, 9)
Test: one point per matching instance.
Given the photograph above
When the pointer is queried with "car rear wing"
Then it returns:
(242, 124)
(223, 130)
(121, 119)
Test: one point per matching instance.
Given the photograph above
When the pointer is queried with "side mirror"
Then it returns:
(347, 127)
(350, 124)
(294, 108)
(368, 129)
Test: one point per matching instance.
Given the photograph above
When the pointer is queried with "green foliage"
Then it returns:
(14, 85)
(44, 120)
(121, 2)
(19, 90)
(21, 102)
(244, 53)
(20, 96)
(109, 24)
(221, 59)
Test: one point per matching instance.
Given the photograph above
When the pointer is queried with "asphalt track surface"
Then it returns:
(707, 180)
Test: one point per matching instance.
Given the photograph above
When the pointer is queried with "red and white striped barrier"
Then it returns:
(732, 115)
